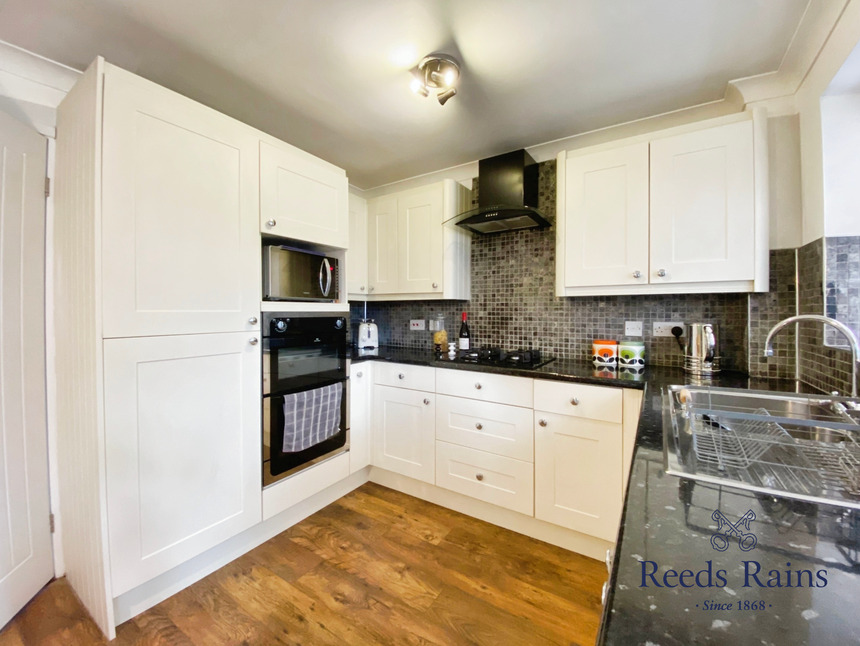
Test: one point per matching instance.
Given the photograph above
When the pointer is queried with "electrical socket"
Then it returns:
(633, 328)
(665, 329)
(417, 324)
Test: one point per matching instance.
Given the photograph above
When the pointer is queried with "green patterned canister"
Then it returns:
(631, 354)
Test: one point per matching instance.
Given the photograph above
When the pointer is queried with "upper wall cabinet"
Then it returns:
(180, 241)
(681, 211)
(411, 254)
(357, 256)
(302, 197)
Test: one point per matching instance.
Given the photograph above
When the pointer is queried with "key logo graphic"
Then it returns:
(726, 530)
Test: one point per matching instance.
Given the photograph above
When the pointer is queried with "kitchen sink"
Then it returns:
(799, 446)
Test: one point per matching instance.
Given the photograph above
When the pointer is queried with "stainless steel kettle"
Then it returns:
(701, 348)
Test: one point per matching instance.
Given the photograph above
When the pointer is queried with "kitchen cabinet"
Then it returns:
(360, 388)
(679, 211)
(302, 197)
(357, 255)
(411, 253)
(403, 419)
(181, 448)
(495, 428)
(579, 457)
(180, 249)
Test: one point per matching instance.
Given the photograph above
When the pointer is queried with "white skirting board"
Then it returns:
(152, 592)
(516, 522)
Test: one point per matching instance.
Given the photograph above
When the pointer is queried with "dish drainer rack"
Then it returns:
(739, 442)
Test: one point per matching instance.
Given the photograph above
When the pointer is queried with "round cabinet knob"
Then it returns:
(426, 402)
(661, 273)
(479, 477)
(253, 320)
(358, 374)
(253, 340)
(371, 289)
(542, 422)
(574, 401)
(401, 376)
(478, 386)
(361, 288)
(435, 285)
(637, 274)
(479, 426)
(271, 223)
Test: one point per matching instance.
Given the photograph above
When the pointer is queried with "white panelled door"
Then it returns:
(26, 558)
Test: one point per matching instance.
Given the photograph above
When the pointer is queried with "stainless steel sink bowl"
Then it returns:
(799, 446)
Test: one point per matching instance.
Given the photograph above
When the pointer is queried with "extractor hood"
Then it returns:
(507, 196)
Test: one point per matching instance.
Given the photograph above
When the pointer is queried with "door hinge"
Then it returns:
(51, 517)
(47, 186)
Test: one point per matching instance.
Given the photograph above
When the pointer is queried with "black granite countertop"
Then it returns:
(797, 586)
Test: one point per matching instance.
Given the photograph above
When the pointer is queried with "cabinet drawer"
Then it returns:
(492, 478)
(578, 400)
(516, 391)
(487, 426)
(401, 375)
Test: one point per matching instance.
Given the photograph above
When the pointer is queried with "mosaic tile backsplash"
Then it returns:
(842, 285)
(514, 305)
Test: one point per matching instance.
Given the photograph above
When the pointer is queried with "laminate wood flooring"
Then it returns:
(375, 567)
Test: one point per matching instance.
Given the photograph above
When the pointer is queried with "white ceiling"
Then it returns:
(331, 76)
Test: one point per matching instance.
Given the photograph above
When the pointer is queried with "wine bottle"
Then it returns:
(465, 337)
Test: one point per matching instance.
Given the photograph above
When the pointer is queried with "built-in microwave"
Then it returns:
(291, 274)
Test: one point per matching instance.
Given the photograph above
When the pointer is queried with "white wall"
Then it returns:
(840, 142)
(786, 221)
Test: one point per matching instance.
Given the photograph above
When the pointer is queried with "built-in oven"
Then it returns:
(305, 391)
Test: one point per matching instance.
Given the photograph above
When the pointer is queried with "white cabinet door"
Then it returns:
(703, 206)
(419, 240)
(606, 217)
(182, 448)
(180, 236)
(356, 283)
(382, 247)
(302, 197)
(404, 429)
(578, 474)
(360, 383)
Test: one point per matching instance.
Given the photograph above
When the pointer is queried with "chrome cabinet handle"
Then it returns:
(479, 477)
(401, 376)
(358, 374)
(478, 386)
(271, 223)
(479, 426)
(637, 274)
(604, 593)
(253, 320)
(661, 273)
(542, 422)
(371, 289)
(361, 288)
(253, 340)
(608, 561)
(574, 401)
(435, 285)
(426, 402)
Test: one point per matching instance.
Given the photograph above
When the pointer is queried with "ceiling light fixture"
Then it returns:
(436, 72)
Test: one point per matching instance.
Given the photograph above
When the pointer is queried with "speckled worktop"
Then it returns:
(667, 526)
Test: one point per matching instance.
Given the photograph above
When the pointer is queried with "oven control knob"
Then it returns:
(338, 324)
(280, 325)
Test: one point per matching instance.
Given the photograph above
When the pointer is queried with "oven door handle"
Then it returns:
(325, 266)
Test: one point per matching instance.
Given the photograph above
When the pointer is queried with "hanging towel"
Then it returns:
(311, 417)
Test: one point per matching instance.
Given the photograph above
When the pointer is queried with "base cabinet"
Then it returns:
(182, 448)
(578, 473)
(360, 383)
(404, 431)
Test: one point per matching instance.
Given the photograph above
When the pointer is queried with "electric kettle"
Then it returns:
(368, 335)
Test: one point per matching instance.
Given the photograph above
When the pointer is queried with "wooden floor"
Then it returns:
(375, 567)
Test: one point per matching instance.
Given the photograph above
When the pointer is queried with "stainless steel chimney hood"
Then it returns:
(507, 196)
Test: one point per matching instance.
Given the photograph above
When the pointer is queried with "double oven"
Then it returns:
(305, 390)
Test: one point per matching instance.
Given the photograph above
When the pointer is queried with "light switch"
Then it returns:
(633, 328)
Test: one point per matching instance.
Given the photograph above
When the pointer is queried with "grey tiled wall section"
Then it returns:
(842, 285)
(768, 309)
(513, 303)
(823, 367)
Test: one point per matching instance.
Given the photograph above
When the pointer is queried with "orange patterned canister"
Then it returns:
(604, 352)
